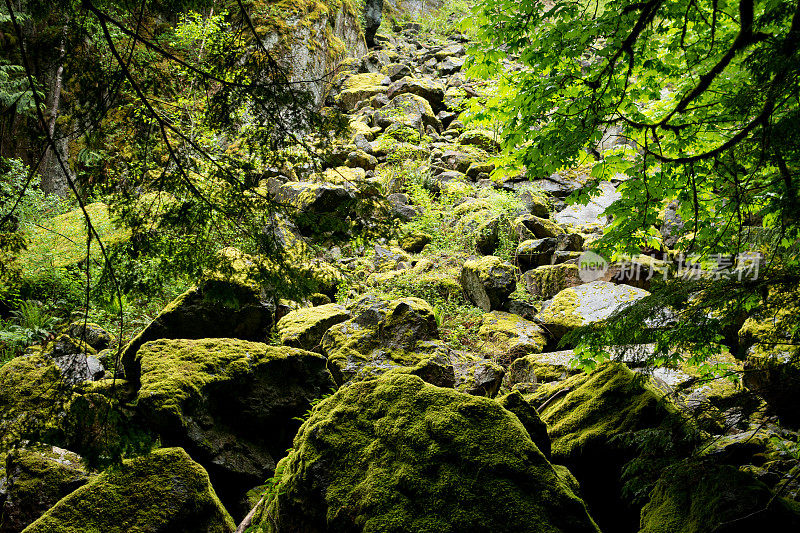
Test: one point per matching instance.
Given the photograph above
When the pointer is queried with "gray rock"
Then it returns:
(591, 213)
(373, 13)
(584, 304)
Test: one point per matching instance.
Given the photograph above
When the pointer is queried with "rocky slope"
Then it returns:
(395, 419)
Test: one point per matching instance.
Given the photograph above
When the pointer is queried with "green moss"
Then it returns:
(506, 332)
(61, 241)
(177, 373)
(548, 280)
(598, 406)
(402, 455)
(305, 327)
(596, 423)
(702, 498)
(37, 479)
(561, 311)
(163, 491)
(32, 396)
(383, 334)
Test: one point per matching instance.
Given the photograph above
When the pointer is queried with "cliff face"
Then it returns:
(311, 38)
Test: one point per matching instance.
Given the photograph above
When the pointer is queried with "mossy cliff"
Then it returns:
(163, 491)
(396, 454)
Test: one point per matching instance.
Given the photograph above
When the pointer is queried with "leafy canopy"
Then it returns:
(692, 103)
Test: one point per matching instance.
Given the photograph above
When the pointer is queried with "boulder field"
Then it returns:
(354, 409)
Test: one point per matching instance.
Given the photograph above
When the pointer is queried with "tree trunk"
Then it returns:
(53, 179)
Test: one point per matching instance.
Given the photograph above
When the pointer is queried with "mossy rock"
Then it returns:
(706, 498)
(36, 479)
(232, 404)
(527, 414)
(215, 308)
(488, 282)
(534, 369)
(548, 280)
(537, 227)
(395, 454)
(32, 398)
(483, 139)
(360, 87)
(382, 335)
(511, 335)
(163, 491)
(429, 89)
(305, 327)
(585, 304)
(66, 345)
(592, 420)
(414, 242)
(408, 110)
(90, 333)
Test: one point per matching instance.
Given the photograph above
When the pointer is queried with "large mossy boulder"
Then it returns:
(382, 335)
(396, 454)
(35, 480)
(361, 87)
(160, 492)
(304, 328)
(214, 309)
(708, 498)
(407, 110)
(488, 282)
(231, 404)
(584, 304)
(594, 421)
(773, 357)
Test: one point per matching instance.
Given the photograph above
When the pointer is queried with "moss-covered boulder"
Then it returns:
(483, 139)
(527, 414)
(429, 89)
(532, 253)
(90, 333)
(548, 280)
(510, 336)
(383, 334)
(215, 308)
(593, 421)
(705, 498)
(528, 372)
(414, 242)
(231, 404)
(488, 282)
(36, 479)
(772, 365)
(304, 328)
(163, 491)
(585, 304)
(395, 454)
(407, 110)
(32, 396)
(536, 227)
(360, 87)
